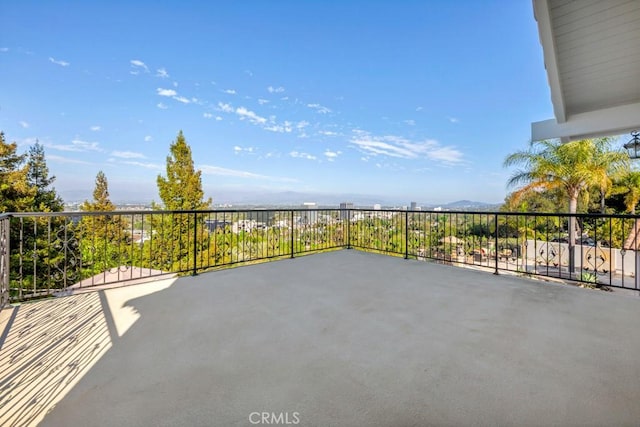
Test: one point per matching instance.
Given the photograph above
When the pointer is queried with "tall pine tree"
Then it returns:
(179, 238)
(16, 195)
(40, 235)
(105, 238)
(101, 201)
(181, 189)
(45, 199)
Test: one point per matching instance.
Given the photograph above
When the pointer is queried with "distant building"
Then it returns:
(311, 217)
(414, 206)
(247, 225)
(216, 224)
(344, 214)
(377, 207)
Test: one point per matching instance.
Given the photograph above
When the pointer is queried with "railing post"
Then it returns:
(292, 250)
(5, 255)
(348, 228)
(195, 244)
(406, 234)
(496, 242)
(21, 252)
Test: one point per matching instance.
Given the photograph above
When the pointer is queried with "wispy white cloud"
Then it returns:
(166, 92)
(162, 73)
(61, 159)
(419, 108)
(227, 108)
(230, 91)
(152, 166)
(77, 146)
(59, 62)
(286, 127)
(182, 99)
(137, 66)
(269, 124)
(410, 122)
(445, 154)
(4, 49)
(453, 119)
(219, 171)
(399, 147)
(207, 115)
(148, 138)
(248, 73)
(301, 155)
(23, 124)
(331, 155)
(263, 101)
(244, 150)
(161, 106)
(319, 108)
(95, 128)
(127, 155)
(218, 118)
(328, 133)
(278, 89)
(170, 93)
(250, 115)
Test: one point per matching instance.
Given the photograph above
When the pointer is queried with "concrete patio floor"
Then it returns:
(344, 338)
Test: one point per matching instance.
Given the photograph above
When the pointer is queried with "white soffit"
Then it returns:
(592, 56)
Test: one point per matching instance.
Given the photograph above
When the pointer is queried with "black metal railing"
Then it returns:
(604, 252)
(47, 253)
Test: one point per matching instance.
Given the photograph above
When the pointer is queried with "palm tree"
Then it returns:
(572, 167)
(628, 183)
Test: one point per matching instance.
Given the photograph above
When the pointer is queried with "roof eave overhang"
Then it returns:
(542, 15)
(605, 122)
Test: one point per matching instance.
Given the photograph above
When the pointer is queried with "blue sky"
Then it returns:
(404, 100)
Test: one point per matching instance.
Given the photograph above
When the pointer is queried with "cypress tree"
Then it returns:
(179, 238)
(16, 195)
(45, 199)
(181, 189)
(105, 239)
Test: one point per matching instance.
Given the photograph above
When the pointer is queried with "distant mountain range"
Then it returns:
(466, 204)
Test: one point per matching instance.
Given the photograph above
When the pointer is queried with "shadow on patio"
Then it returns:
(340, 338)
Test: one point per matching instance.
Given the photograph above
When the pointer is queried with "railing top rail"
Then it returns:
(302, 210)
(500, 213)
(157, 212)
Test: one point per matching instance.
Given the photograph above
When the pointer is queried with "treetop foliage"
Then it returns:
(16, 194)
(46, 198)
(101, 200)
(181, 189)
